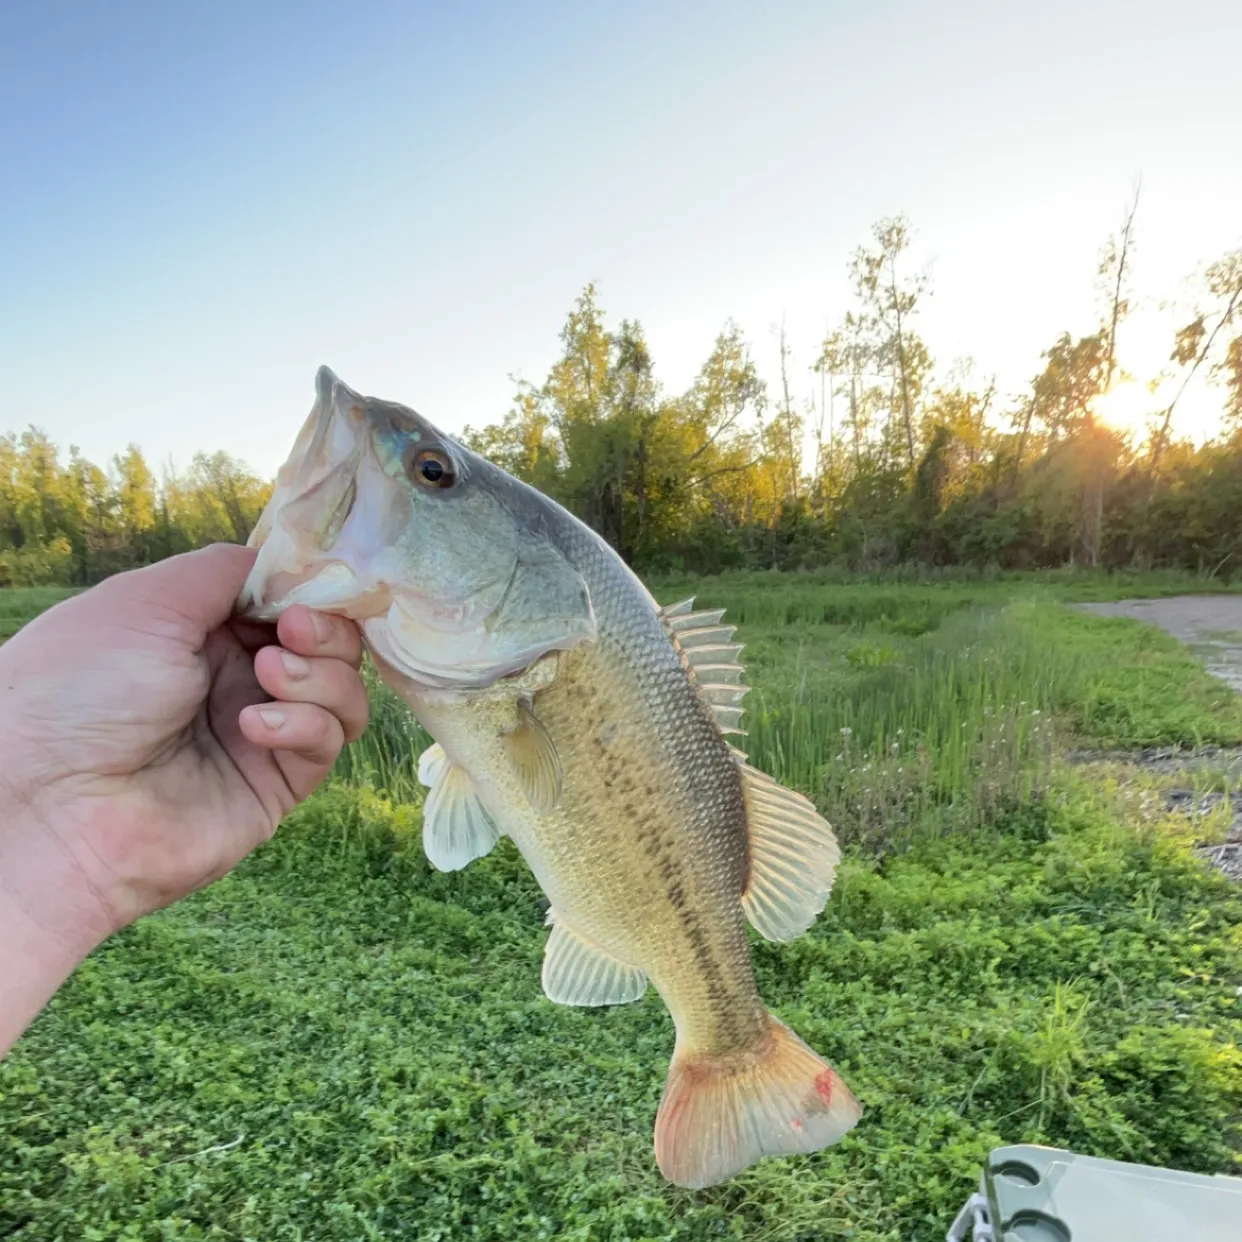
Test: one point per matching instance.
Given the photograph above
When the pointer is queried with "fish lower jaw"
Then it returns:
(333, 589)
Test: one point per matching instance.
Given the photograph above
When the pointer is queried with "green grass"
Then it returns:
(21, 604)
(337, 1042)
(909, 710)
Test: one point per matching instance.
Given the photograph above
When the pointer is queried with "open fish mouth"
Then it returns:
(315, 536)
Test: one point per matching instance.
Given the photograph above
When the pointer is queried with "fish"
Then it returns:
(574, 715)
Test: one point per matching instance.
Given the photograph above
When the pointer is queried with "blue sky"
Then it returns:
(202, 203)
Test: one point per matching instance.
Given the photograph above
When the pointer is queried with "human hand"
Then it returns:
(141, 752)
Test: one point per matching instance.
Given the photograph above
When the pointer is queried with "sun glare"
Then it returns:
(1134, 408)
(1127, 406)
(1133, 404)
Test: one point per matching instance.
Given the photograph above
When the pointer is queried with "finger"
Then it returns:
(253, 634)
(331, 684)
(311, 633)
(310, 732)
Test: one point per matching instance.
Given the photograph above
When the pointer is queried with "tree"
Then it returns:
(889, 300)
(1114, 273)
(719, 417)
(1116, 261)
(1198, 342)
(785, 431)
(847, 354)
(136, 503)
(524, 443)
(910, 464)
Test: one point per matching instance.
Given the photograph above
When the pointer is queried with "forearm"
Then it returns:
(46, 926)
(33, 964)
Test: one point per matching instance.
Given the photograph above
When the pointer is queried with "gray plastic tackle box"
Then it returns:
(1041, 1194)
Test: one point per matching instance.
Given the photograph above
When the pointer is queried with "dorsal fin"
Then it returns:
(677, 610)
(710, 659)
(694, 620)
(793, 857)
(793, 851)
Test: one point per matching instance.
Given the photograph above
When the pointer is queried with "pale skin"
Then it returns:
(149, 741)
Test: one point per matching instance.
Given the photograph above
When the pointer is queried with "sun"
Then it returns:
(1127, 406)
(1134, 409)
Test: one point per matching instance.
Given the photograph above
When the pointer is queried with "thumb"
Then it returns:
(201, 587)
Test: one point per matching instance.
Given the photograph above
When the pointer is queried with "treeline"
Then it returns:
(906, 464)
(71, 523)
(870, 458)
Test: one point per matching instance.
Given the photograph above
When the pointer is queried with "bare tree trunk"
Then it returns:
(1095, 517)
(901, 362)
(640, 492)
(819, 443)
(791, 447)
(854, 420)
(832, 433)
(1027, 414)
(1093, 507)
(1127, 236)
(1093, 500)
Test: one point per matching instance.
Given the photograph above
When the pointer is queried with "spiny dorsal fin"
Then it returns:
(705, 636)
(694, 620)
(456, 828)
(677, 610)
(793, 857)
(710, 658)
(576, 972)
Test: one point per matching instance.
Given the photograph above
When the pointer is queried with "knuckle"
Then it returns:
(329, 734)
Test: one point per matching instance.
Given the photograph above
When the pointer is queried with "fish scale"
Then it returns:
(575, 716)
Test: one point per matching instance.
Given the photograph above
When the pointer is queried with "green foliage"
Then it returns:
(67, 522)
(19, 606)
(1138, 686)
(904, 710)
(337, 1042)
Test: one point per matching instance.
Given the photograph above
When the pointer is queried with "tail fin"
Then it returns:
(719, 1115)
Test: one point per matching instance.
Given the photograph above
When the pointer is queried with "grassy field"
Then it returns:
(20, 605)
(338, 1043)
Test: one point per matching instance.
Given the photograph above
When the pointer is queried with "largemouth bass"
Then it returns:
(574, 715)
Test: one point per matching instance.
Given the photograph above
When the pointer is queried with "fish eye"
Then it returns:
(429, 468)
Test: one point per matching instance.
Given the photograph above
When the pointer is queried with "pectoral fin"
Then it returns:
(535, 761)
(456, 827)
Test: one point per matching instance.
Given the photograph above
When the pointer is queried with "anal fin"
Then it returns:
(576, 972)
(456, 827)
(793, 858)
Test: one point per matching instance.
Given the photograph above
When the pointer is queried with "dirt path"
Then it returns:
(1211, 625)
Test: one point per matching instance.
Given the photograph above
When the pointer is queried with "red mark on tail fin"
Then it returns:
(824, 1084)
